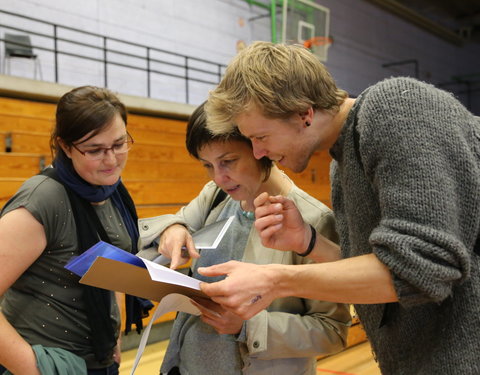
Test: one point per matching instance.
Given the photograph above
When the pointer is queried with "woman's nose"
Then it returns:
(220, 177)
(109, 157)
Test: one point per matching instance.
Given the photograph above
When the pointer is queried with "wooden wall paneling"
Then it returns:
(146, 136)
(30, 142)
(10, 122)
(23, 107)
(3, 143)
(151, 210)
(158, 124)
(163, 170)
(163, 192)
(146, 129)
(30, 124)
(8, 187)
(19, 165)
(35, 142)
(159, 152)
(317, 171)
(144, 192)
(315, 179)
(44, 110)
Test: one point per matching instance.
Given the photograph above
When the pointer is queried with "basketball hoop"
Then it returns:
(317, 41)
(302, 20)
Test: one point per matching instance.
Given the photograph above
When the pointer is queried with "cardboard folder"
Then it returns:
(109, 267)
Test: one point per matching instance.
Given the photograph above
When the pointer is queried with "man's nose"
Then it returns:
(259, 152)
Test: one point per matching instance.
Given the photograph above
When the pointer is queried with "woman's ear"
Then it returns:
(66, 148)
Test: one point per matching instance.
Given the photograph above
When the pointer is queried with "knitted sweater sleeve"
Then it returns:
(420, 151)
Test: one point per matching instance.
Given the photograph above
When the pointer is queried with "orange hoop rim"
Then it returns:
(317, 41)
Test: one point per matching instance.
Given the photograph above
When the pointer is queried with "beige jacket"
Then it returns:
(285, 338)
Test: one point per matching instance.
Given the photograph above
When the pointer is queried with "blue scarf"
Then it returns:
(97, 193)
(97, 299)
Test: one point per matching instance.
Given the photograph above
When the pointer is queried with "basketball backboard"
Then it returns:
(307, 23)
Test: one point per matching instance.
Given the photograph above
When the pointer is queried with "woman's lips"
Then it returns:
(108, 171)
(232, 190)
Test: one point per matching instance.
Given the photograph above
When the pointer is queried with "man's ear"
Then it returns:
(307, 116)
(66, 148)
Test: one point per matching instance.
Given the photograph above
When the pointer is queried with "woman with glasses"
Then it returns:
(51, 323)
(218, 342)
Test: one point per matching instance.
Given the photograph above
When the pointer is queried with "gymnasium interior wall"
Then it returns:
(365, 37)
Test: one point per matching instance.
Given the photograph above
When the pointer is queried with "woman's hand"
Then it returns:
(280, 224)
(117, 350)
(15, 353)
(177, 244)
(117, 353)
(223, 321)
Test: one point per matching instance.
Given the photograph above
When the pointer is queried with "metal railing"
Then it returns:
(109, 53)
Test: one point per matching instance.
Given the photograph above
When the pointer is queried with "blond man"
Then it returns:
(405, 191)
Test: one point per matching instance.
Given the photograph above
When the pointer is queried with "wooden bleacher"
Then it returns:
(160, 174)
(159, 171)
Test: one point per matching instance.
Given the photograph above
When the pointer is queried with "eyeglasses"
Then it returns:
(99, 153)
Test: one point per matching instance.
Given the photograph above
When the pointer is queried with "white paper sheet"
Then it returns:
(171, 302)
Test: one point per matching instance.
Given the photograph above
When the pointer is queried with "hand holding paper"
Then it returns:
(177, 245)
(108, 267)
(213, 314)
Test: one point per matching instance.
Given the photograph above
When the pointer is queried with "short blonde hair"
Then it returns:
(281, 80)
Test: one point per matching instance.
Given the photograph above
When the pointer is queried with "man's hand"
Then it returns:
(280, 224)
(247, 290)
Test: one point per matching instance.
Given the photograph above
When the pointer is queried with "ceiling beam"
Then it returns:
(408, 14)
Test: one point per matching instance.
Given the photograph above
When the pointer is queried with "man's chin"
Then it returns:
(296, 168)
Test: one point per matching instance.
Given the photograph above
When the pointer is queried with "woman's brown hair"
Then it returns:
(84, 110)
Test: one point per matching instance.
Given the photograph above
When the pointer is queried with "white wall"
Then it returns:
(208, 30)
(365, 37)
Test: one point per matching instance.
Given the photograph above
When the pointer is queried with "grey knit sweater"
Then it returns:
(406, 186)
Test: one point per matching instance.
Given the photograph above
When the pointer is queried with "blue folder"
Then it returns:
(79, 265)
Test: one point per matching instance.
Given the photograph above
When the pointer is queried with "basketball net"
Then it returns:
(317, 41)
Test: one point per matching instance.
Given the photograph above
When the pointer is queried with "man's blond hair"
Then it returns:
(281, 80)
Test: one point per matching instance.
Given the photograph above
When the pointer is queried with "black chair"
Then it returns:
(20, 46)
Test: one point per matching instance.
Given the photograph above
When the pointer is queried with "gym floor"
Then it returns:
(356, 360)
